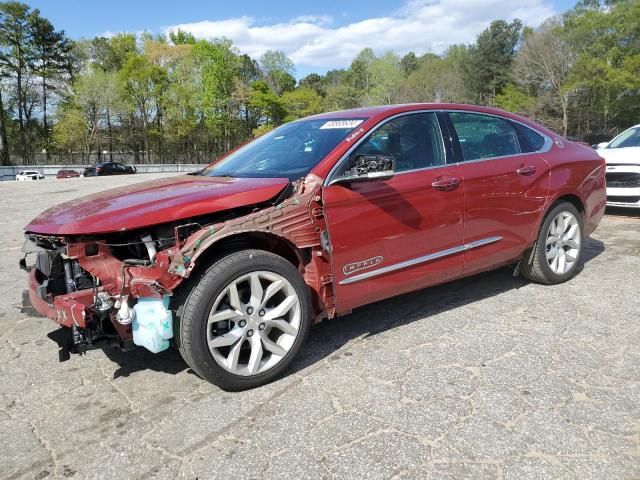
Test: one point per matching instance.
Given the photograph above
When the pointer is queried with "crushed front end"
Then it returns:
(117, 285)
(92, 287)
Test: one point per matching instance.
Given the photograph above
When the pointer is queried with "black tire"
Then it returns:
(192, 315)
(535, 266)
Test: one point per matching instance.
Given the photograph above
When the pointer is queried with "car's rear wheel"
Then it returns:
(556, 254)
(244, 320)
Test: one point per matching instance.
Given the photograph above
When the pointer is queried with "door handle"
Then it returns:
(528, 170)
(446, 184)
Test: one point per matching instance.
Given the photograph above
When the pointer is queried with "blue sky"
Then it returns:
(316, 35)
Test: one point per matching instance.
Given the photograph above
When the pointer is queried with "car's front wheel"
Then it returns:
(558, 249)
(244, 320)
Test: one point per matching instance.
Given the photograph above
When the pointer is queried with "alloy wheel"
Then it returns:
(563, 242)
(253, 323)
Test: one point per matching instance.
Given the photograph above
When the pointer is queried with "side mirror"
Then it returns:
(600, 145)
(368, 168)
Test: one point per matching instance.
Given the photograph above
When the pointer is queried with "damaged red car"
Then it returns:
(233, 264)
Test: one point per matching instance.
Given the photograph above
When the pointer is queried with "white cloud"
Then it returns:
(420, 25)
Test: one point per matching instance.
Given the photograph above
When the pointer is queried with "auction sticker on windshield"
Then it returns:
(341, 124)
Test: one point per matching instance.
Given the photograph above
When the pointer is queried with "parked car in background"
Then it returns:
(622, 155)
(108, 168)
(234, 263)
(67, 174)
(25, 175)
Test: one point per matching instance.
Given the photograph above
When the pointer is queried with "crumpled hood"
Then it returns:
(627, 155)
(152, 203)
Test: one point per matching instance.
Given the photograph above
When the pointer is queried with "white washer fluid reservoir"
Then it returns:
(152, 323)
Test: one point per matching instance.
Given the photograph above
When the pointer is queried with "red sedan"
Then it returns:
(65, 173)
(318, 217)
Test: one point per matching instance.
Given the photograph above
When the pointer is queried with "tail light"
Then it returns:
(98, 169)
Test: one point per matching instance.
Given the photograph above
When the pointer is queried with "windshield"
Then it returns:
(290, 151)
(629, 138)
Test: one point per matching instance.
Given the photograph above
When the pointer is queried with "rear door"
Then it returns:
(393, 236)
(506, 186)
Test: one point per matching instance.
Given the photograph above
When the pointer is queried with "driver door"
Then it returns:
(402, 234)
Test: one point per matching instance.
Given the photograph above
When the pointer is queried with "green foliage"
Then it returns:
(489, 66)
(71, 130)
(514, 100)
(314, 82)
(180, 37)
(278, 71)
(409, 63)
(265, 105)
(300, 103)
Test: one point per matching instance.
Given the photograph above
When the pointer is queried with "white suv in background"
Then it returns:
(25, 175)
(623, 168)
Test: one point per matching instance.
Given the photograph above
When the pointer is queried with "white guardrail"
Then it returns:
(10, 172)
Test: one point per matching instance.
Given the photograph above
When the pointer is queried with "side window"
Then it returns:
(484, 136)
(530, 140)
(414, 141)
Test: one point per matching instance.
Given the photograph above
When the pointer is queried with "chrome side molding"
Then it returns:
(417, 261)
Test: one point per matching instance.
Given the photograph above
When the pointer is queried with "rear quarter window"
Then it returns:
(530, 140)
(484, 136)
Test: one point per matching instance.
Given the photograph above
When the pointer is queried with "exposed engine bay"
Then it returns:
(114, 286)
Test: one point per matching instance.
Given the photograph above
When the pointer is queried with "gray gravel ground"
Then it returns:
(487, 377)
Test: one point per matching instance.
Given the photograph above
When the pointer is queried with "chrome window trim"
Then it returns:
(419, 260)
(548, 143)
(330, 180)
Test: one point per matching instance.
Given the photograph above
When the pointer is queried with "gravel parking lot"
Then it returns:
(487, 377)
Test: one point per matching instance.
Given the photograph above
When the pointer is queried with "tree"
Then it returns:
(265, 105)
(218, 65)
(387, 79)
(72, 132)
(409, 63)
(315, 82)
(544, 62)
(16, 52)
(278, 71)
(143, 85)
(50, 60)
(4, 144)
(360, 75)
(606, 70)
(180, 37)
(489, 66)
(301, 102)
(515, 100)
(110, 54)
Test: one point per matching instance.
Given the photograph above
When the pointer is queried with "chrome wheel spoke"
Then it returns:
(256, 290)
(282, 308)
(271, 290)
(560, 224)
(283, 326)
(571, 232)
(256, 355)
(234, 298)
(562, 263)
(227, 314)
(273, 347)
(234, 354)
(227, 339)
(552, 253)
